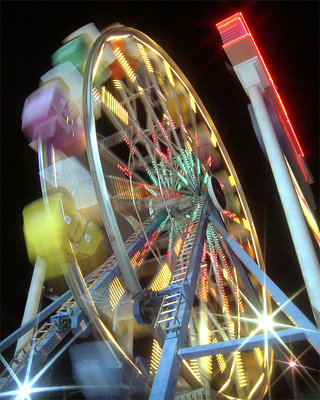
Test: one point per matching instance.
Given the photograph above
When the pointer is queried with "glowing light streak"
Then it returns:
(220, 359)
(183, 179)
(116, 292)
(224, 386)
(246, 224)
(135, 258)
(54, 166)
(125, 170)
(259, 355)
(225, 274)
(114, 106)
(205, 363)
(231, 216)
(198, 166)
(95, 67)
(189, 153)
(192, 103)
(213, 139)
(131, 148)
(145, 57)
(231, 180)
(254, 389)
(186, 364)
(226, 264)
(183, 126)
(152, 177)
(204, 284)
(164, 132)
(136, 190)
(153, 192)
(173, 126)
(162, 155)
(95, 94)
(183, 161)
(125, 65)
(177, 247)
(213, 292)
(240, 369)
(196, 139)
(162, 279)
(194, 364)
(204, 251)
(224, 296)
(169, 72)
(305, 207)
(155, 357)
(117, 84)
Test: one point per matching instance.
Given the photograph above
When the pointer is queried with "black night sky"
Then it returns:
(287, 33)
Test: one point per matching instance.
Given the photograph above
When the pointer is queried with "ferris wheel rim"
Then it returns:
(93, 152)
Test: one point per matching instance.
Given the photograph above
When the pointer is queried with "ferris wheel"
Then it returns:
(149, 227)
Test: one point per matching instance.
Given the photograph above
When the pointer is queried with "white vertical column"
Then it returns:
(305, 251)
(33, 300)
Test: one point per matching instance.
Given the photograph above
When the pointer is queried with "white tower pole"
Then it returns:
(304, 248)
(33, 300)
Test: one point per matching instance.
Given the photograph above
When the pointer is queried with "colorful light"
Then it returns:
(145, 57)
(112, 103)
(292, 364)
(162, 279)
(220, 358)
(155, 357)
(116, 292)
(192, 102)
(125, 65)
(169, 73)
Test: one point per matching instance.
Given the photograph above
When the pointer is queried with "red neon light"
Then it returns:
(231, 19)
(196, 139)
(125, 170)
(236, 40)
(244, 25)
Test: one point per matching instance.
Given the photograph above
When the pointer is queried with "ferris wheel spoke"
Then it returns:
(182, 158)
(165, 135)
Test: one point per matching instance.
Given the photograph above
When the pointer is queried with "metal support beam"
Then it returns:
(312, 333)
(11, 339)
(165, 382)
(33, 300)
(243, 344)
(44, 346)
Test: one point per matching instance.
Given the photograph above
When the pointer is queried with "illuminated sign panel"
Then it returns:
(240, 48)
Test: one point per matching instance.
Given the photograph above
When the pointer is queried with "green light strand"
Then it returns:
(198, 166)
(152, 177)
